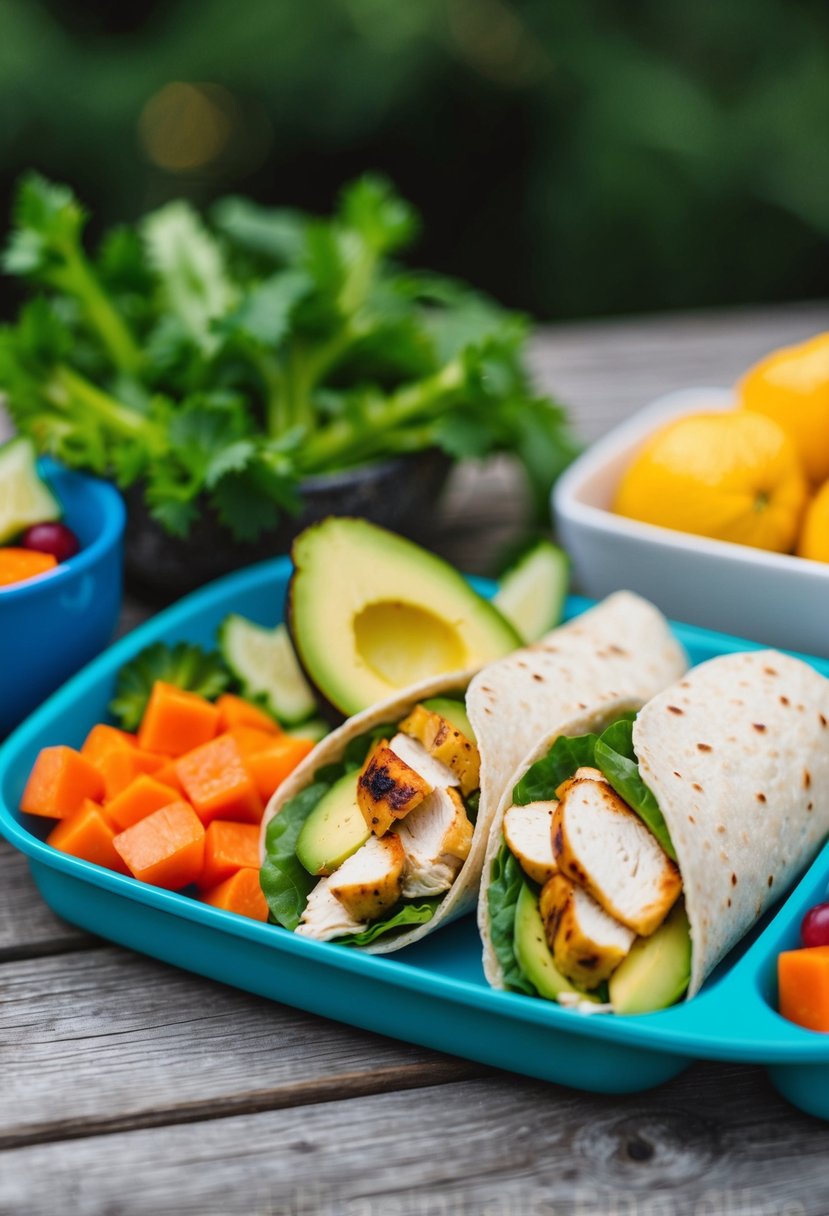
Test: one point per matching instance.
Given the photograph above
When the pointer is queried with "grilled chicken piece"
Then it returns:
(447, 744)
(369, 882)
(325, 917)
(436, 839)
(585, 773)
(528, 831)
(602, 845)
(388, 788)
(429, 767)
(587, 944)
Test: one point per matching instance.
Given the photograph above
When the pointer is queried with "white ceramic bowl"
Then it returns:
(773, 598)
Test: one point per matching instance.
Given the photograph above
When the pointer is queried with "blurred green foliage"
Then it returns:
(572, 158)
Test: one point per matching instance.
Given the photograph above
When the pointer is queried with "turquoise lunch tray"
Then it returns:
(433, 993)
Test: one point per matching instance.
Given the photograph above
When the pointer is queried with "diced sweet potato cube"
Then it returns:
(236, 711)
(217, 782)
(274, 763)
(166, 848)
(120, 767)
(140, 798)
(102, 739)
(803, 977)
(176, 721)
(228, 846)
(241, 894)
(59, 782)
(250, 739)
(88, 834)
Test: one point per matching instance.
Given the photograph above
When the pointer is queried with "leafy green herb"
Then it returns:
(357, 749)
(507, 879)
(224, 361)
(405, 917)
(185, 665)
(285, 882)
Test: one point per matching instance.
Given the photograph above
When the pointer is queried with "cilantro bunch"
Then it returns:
(225, 361)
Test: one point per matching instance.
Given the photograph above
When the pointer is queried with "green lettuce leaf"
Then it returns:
(185, 665)
(543, 778)
(507, 878)
(404, 918)
(285, 882)
(617, 760)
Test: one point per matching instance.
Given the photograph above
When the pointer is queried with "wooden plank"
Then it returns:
(103, 1039)
(27, 926)
(718, 1142)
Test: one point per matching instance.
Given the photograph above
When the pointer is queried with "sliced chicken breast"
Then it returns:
(445, 743)
(325, 917)
(587, 944)
(584, 773)
(528, 831)
(413, 753)
(370, 881)
(436, 839)
(602, 845)
(389, 787)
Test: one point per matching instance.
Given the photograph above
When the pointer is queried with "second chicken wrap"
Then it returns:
(378, 837)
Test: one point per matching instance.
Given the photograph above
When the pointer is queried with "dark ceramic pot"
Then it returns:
(399, 494)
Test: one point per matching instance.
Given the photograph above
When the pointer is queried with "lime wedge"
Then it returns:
(531, 593)
(24, 497)
(264, 663)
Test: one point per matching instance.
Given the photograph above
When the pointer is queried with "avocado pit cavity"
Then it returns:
(432, 645)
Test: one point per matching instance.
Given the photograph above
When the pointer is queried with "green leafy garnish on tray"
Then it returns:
(185, 665)
(223, 362)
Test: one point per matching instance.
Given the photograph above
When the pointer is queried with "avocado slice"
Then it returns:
(371, 613)
(531, 950)
(334, 830)
(656, 972)
(454, 712)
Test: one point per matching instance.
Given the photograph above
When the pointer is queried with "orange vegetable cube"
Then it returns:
(273, 764)
(241, 894)
(176, 721)
(236, 711)
(16, 565)
(803, 977)
(228, 847)
(250, 739)
(167, 775)
(58, 783)
(120, 767)
(88, 834)
(103, 739)
(218, 784)
(140, 798)
(166, 848)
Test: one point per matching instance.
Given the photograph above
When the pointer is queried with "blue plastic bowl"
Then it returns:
(52, 625)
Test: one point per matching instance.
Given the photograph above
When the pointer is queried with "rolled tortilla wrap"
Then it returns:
(736, 754)
(622, 647)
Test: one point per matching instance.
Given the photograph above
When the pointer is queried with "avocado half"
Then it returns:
(370, 613)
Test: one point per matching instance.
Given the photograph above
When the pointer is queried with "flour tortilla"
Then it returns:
(737, 755)
(621, 648)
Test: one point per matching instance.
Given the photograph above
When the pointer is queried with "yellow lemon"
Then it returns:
(733, 476)
(814, 536)
(791, 385)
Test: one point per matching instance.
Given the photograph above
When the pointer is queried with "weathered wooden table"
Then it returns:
(127, 1087)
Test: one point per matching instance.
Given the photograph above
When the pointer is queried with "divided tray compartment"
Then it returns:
(434, 992)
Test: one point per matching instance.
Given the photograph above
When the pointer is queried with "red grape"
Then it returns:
(52, 538)
(814, 930)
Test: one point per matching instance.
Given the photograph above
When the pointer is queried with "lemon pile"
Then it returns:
(756, 475)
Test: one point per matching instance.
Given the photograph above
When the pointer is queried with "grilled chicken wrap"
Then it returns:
(379, 835)
(631, 852)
